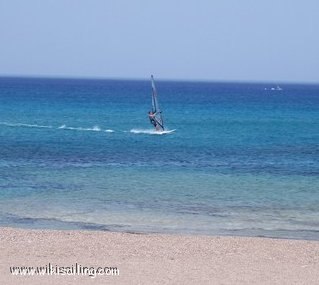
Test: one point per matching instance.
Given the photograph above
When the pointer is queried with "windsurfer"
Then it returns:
(151, 116)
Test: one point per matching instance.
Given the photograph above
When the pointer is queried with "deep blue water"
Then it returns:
(82, 154)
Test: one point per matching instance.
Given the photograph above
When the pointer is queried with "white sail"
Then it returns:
(156, 108)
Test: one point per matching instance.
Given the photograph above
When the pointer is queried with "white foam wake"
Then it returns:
(93, 129)
(150, 131)
(63, 127)
(25, 125)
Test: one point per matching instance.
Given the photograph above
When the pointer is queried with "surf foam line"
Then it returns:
(63, 127)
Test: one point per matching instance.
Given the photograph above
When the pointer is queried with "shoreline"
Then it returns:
(147, 258)
(97, 228)
(270, 234)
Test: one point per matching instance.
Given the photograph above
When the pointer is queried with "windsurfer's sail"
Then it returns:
(156, 117)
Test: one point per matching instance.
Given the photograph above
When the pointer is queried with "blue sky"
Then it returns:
(241, 40)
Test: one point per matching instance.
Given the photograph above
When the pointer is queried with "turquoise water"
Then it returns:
(80, 154)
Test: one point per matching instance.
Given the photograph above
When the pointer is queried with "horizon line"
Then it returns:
(68, 77)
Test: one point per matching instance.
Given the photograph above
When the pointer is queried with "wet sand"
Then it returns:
(157, 258)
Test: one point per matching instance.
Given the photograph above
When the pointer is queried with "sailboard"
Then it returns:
(155, 115)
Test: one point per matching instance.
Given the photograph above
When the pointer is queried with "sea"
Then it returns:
(242, 158)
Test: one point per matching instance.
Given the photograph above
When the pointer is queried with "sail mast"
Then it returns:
(154, 95)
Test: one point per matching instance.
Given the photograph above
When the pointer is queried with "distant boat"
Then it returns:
(277, 88)
(155, 115)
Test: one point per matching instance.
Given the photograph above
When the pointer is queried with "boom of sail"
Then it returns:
(158, 118)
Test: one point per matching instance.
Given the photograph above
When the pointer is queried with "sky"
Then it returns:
(215, 40)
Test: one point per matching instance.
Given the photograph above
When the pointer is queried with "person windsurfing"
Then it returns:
(155, 115)
(153, 121)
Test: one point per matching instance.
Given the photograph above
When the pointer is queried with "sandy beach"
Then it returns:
(157, 258)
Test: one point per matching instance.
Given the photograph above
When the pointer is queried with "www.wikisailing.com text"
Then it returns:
(73, 270)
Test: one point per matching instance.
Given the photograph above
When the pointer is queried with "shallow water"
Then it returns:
(81, 154)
